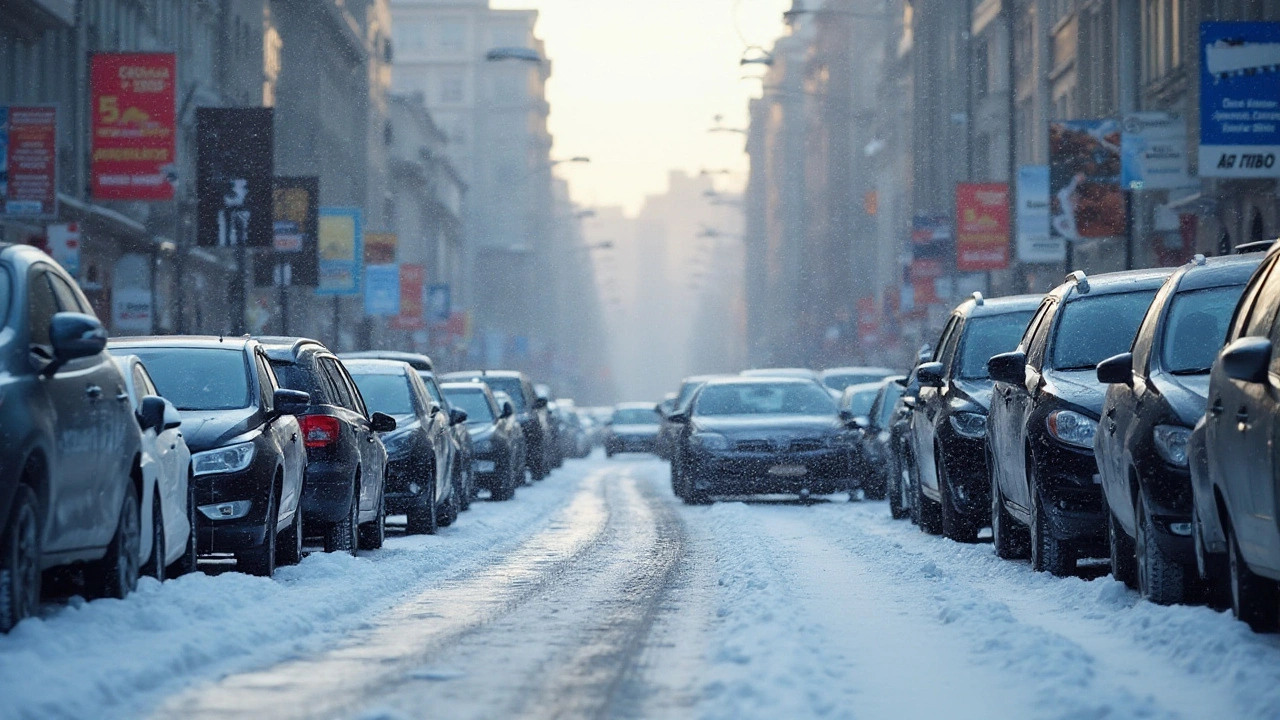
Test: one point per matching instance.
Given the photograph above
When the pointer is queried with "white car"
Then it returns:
(168, 545)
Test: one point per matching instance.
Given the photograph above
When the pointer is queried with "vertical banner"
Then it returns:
(1240, 99)
(439, 304)
(982, 226)
(341, 252)
(1084, 179)
(1034, 241)
(29, 161)
(133, 129)
(1153, 151)
(234, 177)
(382, 290)
(412, 277)
(295, 215)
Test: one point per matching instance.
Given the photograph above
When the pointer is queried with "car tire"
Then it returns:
(955, 525)
(446, 515)
(342, 536)
(374, 532)
(928, 513)
(1048, 553)
(1161, 579)
(116, 574)
(507, 489)
(464, 502)
(20, 561)
(1008, 537)
(189, 562)
(261, 560)
(155, 566)
(897, 508)
(1215, 576)
(676, 488)
(420, 519)
(1253, 598)
(289, 544)
(1121, 549)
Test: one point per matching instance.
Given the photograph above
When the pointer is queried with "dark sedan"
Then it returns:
(632, 428)
(873, 455)
(497, 442)
(760, 435)
(531, 412)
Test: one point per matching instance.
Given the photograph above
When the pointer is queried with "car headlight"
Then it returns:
(1072, 428)
(711, 441)
(397, 443)
(1171, 443)
(482, 446)
(969, 424)
(229, 459)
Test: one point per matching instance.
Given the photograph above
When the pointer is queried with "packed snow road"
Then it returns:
(596, 594)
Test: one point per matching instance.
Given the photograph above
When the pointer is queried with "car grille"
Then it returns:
(754, 446)
(805, 445)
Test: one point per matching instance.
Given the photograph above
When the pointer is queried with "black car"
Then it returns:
(873, 454)
(247, 451)
(531, 412)
(69, 445)
(342, 493)
(633, 427)
(497, 442)
(555, 423)
(418, 449)
(949, 428)
(421, 363)
(669, 431)
(1234, 456)
(855, 403)
(1044, 415)
(1156, 395)
(754, 435)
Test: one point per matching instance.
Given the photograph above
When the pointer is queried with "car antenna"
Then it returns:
(1081, 280)
(978, 299)
(1198, 259)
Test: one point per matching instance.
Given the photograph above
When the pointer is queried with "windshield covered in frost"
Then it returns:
(199, 378)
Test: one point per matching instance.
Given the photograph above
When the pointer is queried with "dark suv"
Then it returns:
(69, 444)
(247, 453)
(949, 430)
(1044, 415)
(531, 412)
(342, 496)
(1156, 395)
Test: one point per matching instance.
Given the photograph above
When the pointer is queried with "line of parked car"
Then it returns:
(139, 456)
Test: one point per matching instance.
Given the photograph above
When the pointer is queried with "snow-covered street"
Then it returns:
(597, 594)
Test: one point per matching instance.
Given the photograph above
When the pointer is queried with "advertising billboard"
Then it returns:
(1084, 179)
(234, 177)
(341, 253)
(295, 216)
(28, 161)
(1034, 242)
(1153, 151)
(382, 290)
(1239, 99)
(412, 277)
(982, 226)
(132, 98)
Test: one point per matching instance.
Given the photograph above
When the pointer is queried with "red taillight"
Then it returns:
(319, 430)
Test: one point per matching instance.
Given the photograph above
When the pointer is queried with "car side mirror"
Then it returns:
(381, 422)
(151, 412)
(1117, 370)
(172, 418)
(540, 403)
(678, 418)
(909, 402)
(507, 410)
(457, 417)
(1247, 359)
(1010, 367)
(290, 402)
(930, 374)
(903, 381)
(75, 336)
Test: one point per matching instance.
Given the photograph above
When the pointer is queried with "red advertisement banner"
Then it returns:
(29, 175)
(133, 125)
(412, 278)
(982, 226)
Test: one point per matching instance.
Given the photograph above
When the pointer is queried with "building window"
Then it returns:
(453, 36)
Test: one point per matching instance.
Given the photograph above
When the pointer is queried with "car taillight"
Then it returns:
(319, 430)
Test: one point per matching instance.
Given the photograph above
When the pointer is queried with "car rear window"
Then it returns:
(510, 386)
(761, 399)
(199, 378)
(987, 336)
(635, 416)
(1093, 329)
(473, 403)
(1197, 328)
(385, 393)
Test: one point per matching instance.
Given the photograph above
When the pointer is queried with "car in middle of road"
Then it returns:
(633, 428)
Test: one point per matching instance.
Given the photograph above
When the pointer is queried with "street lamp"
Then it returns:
(579, 159)
(719, 128)
(762, 57)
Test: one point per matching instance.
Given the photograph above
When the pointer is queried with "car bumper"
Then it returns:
(967, 477)
(405, 484)
(488, 471)
(1170, 500)
(253, 485)
(631, 443)
(729, 473)
(1071, 495)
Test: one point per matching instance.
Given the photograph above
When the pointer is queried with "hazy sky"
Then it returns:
(635, 85)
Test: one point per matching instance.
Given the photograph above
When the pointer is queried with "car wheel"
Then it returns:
(1008, 537)
(449, 513)
(1048, 553)
(155, 567)
(1212, 567)
(261, 560)
(897, 508)
(676, 489)
(20, 561)
(341, 536)
(928, 513)
(189, 561)
(1121, 549)
(507, 490)
(289, 545)
(374, 532)
(1161, 579)
(955, 526)
(1253, 598)
(116, 574)
(464, 502)
(421, 518)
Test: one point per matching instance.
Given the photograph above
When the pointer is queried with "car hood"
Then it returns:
(205, 429)
(976, 391)
(1078, 387)
(1186, 395)
(645, 429)
(756, 426)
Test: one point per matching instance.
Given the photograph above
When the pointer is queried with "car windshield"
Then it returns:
(892, 392)
(473, 403)
(765, 399)
(385, 393)
(635, 416)
(199, 378)
(861, 401)
(5, 293)
(987, 336)
(1093, 329)
(1196, 328)
(511, 386)
(840, 381)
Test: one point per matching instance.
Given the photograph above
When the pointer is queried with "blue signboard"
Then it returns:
(439, 304)
(382, 290)
(1240, 99)
(341, 243)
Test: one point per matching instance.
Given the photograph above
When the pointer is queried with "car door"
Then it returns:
(1262, 537)
(928, 405)
(1020, 400)
(350, 409)
(1000, 418)
(442, 436)
(284, 434)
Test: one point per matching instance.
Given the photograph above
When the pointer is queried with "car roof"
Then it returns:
(1113, 282)
(792, 372)
(698, 379)
(465, 387)
(469, 374)
(998, 305)
(415, 360)
(182, 341)
(1205, 272)
(854, 369)
(378, 367)
(634, 406)
(287, 348)
(759, 380)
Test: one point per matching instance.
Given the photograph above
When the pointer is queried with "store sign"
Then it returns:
(1084, 179)
(64, 246)
(982, 226)
(412, 277)
(133, 127)
(382, 290)
(341, 252)
(1034, 242)
(235, 177)
(930, 236)
(1153, 151)
(1240, 99)
(28, 161)
(295, 215)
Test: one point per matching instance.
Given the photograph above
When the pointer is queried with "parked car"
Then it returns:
(168, 513)
(873, 452)
(575, 441)
(837, 379)
(788, 372)
(855, 403)
(531, 412)
(555, 423)
(668, 431)
(497, 442)
(417, 361)
(760, 435)
(342, 492)
(633, 428)
(70, 451)
(418, 450)
(1233, 456)
(247, 452)
(1156, 395)
(902, 469)
(949, 429)
(1044, 415)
